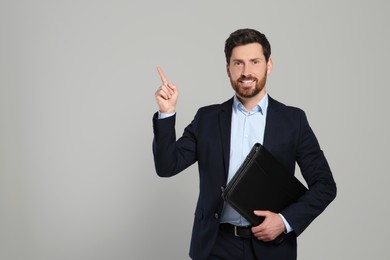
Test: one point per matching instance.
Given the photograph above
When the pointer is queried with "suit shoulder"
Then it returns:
(286, 113)
(215, 107)
(210, 107)
(286, 108)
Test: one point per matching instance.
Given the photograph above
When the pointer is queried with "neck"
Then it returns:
(250, 103)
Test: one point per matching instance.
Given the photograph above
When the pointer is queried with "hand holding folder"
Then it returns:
(262, 183)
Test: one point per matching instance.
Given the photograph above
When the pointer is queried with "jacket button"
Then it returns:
(216, 215)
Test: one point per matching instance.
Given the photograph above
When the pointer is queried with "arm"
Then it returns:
(170, 156)
(318, 176)
(306, 151)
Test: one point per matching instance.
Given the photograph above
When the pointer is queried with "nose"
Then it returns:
(245, 71)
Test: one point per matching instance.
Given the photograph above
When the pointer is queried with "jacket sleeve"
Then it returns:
(171, 156)
(318, 176)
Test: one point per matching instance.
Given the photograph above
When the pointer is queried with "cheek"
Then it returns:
(234, 75)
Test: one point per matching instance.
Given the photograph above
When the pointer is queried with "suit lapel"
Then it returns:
(225, 121)
(271, 123)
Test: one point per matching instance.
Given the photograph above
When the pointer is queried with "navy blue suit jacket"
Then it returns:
(206, 140)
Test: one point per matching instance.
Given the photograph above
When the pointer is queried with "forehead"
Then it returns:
(248, 51)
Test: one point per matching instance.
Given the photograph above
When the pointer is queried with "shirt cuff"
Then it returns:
(162, 116)
(288, 227)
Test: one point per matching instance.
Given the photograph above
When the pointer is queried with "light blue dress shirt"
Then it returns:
(247, 129)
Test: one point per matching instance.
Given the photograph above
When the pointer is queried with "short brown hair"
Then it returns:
(243, 37)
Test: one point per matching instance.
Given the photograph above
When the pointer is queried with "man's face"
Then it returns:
(248, 70)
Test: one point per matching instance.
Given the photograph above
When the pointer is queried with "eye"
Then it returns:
(256, 62)
(237, 63)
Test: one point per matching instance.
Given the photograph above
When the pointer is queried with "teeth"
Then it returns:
(248, 81)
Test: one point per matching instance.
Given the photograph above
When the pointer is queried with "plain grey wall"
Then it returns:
(77, 83)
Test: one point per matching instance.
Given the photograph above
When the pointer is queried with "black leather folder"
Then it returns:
(262, 183)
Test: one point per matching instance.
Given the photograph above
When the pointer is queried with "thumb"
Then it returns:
(261, 213)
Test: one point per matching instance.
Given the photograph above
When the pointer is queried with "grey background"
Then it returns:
(77, 83)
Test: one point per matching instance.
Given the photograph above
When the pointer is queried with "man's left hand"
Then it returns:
(270, 228)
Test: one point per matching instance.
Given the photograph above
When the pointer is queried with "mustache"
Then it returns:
(246, 78)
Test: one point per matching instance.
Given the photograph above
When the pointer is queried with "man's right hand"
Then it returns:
(166, 95)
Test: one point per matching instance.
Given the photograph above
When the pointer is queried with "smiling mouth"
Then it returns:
(247, 82)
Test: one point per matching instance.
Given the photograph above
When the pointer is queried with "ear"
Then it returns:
(270, 66)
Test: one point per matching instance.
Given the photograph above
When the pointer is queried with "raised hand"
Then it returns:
(166, 95)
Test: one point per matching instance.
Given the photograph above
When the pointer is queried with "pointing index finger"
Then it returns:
(162, 75)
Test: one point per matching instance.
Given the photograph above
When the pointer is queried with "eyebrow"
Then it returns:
(254, 59)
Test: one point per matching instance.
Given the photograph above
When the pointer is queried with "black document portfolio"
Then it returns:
(262, 183)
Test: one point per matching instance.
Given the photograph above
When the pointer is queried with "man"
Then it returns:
(219, 138)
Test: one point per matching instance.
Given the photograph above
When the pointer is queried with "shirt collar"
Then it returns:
(260, 107)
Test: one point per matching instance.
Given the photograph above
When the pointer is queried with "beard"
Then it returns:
(246, 92)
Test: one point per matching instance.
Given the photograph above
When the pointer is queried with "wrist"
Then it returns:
(164, 115)
(168, 111)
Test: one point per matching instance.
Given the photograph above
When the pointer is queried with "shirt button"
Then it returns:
(216, 215)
